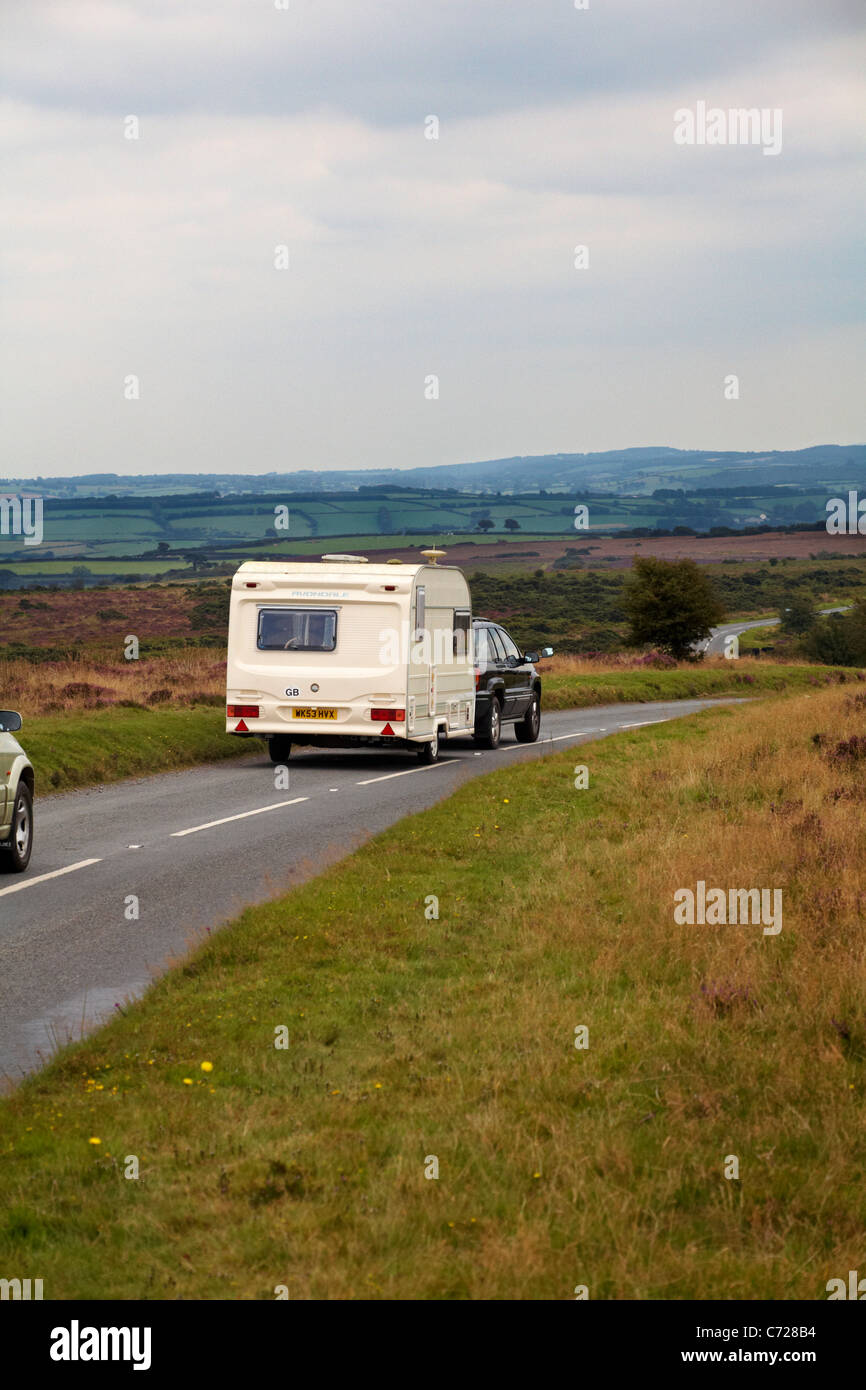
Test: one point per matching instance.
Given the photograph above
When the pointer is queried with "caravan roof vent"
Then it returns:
(347, 559)
(433, 555)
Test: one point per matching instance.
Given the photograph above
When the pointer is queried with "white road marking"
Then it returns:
(388, 775)
(41, 878)
(582, 733)
(578, 733)
(260, 810)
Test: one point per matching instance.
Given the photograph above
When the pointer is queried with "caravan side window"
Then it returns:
(297, 629)
(420, 612)
(462, 627)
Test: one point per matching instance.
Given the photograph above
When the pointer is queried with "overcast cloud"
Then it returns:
(411, 257)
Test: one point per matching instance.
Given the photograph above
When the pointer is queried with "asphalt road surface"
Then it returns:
(195, 847)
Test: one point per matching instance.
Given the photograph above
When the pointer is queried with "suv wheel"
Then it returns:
(280, 748)
(429, 752)
(526, 729)
(489, 731)
(15, 855)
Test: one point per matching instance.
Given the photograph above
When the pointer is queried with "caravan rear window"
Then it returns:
(297, 629)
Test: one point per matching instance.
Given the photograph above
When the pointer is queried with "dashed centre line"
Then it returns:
(242, 815)
(295, 801)
(444, 762)
(42, 878)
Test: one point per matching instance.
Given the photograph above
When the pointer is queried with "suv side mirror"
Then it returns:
(530, 658)
(547, 651)
(10, 721)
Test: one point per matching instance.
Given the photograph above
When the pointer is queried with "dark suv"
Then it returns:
(507, 686)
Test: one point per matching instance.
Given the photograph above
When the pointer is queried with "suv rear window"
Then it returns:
(297, 629)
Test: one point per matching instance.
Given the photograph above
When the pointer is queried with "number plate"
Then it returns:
(303, 712)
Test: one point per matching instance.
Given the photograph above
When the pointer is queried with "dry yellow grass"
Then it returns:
(192, 676)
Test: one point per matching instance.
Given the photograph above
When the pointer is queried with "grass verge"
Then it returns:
(413, 1036)
(79, 750)
(565, 689)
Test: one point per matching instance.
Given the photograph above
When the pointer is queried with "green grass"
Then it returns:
(569, 691)
(453, 1036)
(759, 637)
(79, 750)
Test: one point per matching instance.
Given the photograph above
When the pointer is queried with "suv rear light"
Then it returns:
(242, 711)
(389, 716)
(477, 677)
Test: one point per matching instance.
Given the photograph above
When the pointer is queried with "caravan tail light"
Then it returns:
(389, 716)
(242, 711)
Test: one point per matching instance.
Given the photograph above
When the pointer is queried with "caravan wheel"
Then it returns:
(429, 752)
(279, 748)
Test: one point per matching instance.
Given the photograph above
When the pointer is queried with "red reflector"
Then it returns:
(242, 711)
(398, 715)
(251, 586)
(240, 727)
(388, 730)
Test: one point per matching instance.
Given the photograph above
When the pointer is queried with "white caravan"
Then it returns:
(347, 652)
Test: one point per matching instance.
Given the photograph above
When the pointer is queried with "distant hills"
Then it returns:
(634, 472)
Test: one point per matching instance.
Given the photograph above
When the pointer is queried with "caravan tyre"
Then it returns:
(279, 748)
(429, 752)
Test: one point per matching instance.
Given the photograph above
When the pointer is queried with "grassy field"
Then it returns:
(84, 750)
(94, 720)
(570, 682)
(414, 1037)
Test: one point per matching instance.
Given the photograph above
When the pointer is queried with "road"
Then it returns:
(195, 848)
(715, 643)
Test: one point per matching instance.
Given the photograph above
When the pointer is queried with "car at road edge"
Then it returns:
(16, 797)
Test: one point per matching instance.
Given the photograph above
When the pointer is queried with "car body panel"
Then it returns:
(14, 766)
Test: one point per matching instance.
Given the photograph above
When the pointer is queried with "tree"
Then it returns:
(485, 524)
(830, 642)
(511, 524)
(671, 604)
(798, 615)
(838, 639)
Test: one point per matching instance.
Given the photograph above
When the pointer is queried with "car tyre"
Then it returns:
(15, 855)
(489, 731)
(279, 748)
(526, 730)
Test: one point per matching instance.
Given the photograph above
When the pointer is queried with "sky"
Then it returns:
(431, 310)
